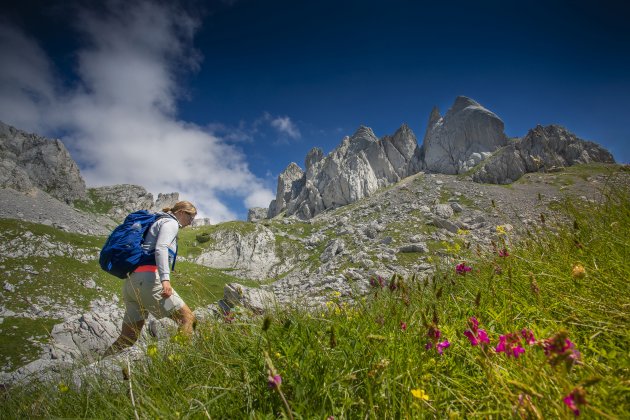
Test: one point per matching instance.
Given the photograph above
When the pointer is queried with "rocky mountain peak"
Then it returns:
(463, 102)
(29, 161)
(465, 136)
(355, 169)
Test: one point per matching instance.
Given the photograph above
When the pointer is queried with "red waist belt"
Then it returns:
(146, 269)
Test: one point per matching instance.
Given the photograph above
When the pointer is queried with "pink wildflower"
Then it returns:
(274, 381)
(559, 348)
(476, 335)
(462, 268)
(575, 399)
(510, 344)
(504, 253)
(483, 336)
(377, 282)
(528, 336)
(441, 346)
(434, 335)
(403, 326)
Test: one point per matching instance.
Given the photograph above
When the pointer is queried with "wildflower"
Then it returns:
(578, 271)
(273, 382)
(434, 333)
(559, 348)
(229, 317)
(474, 334)
(528, 336)
(377, 281)
(441, 346)
(62, 387)
(533, 285)
(510, 344)
(463, 232)
(504, 253)
(575, 399)
(501, 230)
(393, 284)
(152, 350)
(403, 326)
(420, 394)
(462, 268)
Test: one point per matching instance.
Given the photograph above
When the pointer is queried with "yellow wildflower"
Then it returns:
(578, 271)
(152, 350)
(62, 387)
(420, 394)
(501, 230)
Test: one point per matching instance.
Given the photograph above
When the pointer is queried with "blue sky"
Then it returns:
(214, 99)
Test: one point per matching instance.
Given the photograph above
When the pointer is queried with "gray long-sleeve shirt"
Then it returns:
(162, 236)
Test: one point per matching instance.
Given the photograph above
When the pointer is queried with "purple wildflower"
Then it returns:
(528, 336)
(575, 399)
(441, 346)
(476, 335)
(274, 381)
(510, 344)
(462, 268)
(559, 348)
(377, 282)
(504, 253)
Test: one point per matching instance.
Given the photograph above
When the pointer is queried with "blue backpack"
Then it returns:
(123, 253)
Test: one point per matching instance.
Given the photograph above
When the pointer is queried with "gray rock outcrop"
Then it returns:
(290, 183)
(256, 214)
(250, 254)
(359, 166)
(29, 161)
(165, 200)
(123, 199)
(465, 136)
(542, 149)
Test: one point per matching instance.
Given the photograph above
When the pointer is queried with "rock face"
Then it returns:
(542, 149)
(251, 254)
(126, 198)
(256, 214)
(360, 165)
(290, 183)
(28, 161)
(465, 136)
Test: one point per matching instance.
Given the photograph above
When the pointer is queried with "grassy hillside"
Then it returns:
(44, 281)
(555, 308)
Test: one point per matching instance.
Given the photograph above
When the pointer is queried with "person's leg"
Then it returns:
(128, 336)
(185, 319)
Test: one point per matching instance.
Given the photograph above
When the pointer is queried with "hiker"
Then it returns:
(148, 288)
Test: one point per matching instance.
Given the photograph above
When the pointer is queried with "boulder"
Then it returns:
(257, 300)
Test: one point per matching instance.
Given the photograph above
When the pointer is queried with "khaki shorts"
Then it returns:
(142, 294)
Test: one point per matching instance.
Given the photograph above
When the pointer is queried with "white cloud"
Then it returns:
(121, 116)
(285, 126)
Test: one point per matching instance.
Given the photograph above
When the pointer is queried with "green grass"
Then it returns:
(357, 362)
(94, 204)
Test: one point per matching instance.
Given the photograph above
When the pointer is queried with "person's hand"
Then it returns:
(167, 290)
